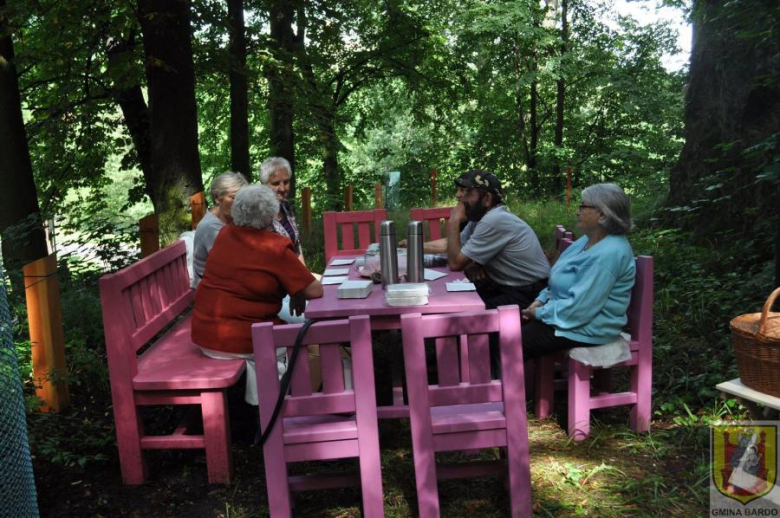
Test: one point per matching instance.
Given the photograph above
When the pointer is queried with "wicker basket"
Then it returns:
(756, 341)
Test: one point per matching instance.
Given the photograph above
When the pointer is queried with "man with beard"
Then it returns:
(497, 251)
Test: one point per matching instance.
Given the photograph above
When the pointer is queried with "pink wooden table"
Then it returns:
(384, 317)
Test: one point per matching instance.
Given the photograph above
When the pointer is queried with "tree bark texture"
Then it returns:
(560, 101)
(128, 95)
(732, 103)
(24, 239)
(173, 123)
(239, 106)
(281, 83)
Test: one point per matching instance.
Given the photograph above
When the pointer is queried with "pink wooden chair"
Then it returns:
(334, 423)
(466, 415)
(432, 220)
(346, 221)
(581, 401)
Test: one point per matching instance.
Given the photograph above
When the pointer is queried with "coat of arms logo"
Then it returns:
(744, 460)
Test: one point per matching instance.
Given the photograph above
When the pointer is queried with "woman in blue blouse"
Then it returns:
(590, 285)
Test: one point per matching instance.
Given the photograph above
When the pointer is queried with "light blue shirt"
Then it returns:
(589, 290)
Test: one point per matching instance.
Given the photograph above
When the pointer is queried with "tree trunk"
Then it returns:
(173, 122)
(130, 98)
(560, 100)
(281, 81)
(24, 239)
(239, 117)
(330, 148)
(732, 104)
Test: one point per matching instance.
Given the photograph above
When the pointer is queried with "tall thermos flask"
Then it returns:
(388, 253)
(414, 258)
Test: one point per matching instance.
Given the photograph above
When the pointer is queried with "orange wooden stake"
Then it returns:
(47, 338)
(197, 208)
(348, 192)
(378, 203)
(306, 209)
(150, 234)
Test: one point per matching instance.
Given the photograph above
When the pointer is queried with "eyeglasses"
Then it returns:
(584, 206)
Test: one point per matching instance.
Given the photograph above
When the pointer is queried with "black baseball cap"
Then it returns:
(483, 180)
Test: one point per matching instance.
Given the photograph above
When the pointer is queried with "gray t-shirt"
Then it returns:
(506, 247)
(205, 234)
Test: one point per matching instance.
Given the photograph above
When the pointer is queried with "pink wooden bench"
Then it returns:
(432, 221)
(581, 398)
(333, 423)
(345, 222)
(138, 303)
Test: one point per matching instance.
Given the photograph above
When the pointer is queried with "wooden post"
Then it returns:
(348, 191)
(306, 209)
(150, 235)
(434, 174)
(378, 203)
(47, 338)
(197, 208)
(568, 187)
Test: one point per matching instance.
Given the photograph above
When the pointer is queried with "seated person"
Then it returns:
(499, 252)
(223, 192)
(590, 284)
(250, 270)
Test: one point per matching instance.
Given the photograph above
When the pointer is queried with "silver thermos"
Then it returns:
(388, 253)
(414, 257)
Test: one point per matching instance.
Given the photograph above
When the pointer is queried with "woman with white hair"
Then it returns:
(250, 270)
(587, 298)
(223, 191)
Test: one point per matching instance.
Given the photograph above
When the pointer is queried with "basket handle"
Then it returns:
(765, 312)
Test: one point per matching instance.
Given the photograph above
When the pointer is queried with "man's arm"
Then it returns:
(455, 259)
(437, 246)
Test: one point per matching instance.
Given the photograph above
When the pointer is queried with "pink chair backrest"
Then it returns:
(564, 243)
(433, 220)
(451, 332)
(640, 309)
(346, 223)
(333, 398)
(138, 308)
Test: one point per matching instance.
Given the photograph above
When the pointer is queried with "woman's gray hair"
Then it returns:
(613, 202)
(255, 206)
(225, 183)
(270, 166)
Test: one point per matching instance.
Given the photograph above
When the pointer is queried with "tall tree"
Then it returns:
(173, 124)
(23, 236)
(239, 104)
(281, 78)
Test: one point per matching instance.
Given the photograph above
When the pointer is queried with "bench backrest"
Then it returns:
(346, 223)
(432, 219)
(141, 300)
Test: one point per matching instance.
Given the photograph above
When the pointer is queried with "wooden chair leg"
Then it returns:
(216, 434)
(641, 384)
(579, 400)
(129, 431)
(545, 386)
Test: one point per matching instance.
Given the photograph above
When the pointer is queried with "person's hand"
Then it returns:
(402, 243)
(458, 214)
(297, 304)
(474, 272)
(530, 312)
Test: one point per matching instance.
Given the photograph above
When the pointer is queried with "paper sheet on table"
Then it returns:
(335, 271)
(432, 275)
(461, 286)
(341, 262)
(334, 280)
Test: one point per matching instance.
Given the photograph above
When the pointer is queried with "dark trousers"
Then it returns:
(495, 295)
(539, 339)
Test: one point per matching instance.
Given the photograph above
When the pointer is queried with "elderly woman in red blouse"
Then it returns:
(249, 271)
